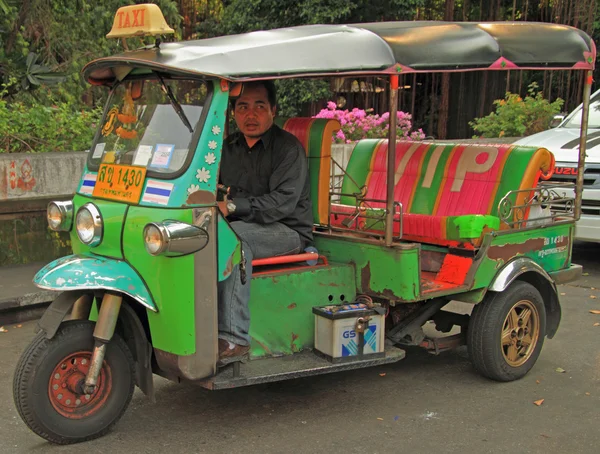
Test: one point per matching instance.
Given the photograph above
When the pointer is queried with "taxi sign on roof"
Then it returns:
(139, 20)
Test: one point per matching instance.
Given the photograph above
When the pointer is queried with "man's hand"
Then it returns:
(223, 208)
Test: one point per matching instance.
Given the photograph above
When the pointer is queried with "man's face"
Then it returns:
(253, 113)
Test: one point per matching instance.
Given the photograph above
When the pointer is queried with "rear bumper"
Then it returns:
(567, 275)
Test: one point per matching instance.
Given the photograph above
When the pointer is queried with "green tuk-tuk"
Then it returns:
(411, 229)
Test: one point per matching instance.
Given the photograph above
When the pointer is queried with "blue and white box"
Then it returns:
(338, 336)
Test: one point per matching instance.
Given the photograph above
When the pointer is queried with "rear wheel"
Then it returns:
(48, 382)
(506, 332)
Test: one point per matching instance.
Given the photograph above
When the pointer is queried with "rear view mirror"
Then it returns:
(556, 120)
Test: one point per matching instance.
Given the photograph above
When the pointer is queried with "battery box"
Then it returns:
(349, 332)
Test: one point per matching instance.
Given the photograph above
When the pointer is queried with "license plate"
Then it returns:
(117, 182)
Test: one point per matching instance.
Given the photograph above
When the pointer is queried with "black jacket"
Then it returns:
(269, 182)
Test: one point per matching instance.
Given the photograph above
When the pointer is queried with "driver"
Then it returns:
(265, 174)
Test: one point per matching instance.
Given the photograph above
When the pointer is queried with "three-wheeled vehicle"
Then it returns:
(413, 226)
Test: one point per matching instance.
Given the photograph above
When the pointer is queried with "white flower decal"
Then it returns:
(193, 188)
(210, 158)
(216, 130)
(212, 144)
(203, 175)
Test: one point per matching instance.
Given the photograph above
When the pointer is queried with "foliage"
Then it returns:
(359, 124)
(292, 93)
(39, 128)
(515, 116)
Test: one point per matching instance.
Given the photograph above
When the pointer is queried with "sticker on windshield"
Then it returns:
(99, 150)
(143, 155)
(162, 155)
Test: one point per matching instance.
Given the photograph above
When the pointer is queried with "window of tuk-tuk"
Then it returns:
(152, 123)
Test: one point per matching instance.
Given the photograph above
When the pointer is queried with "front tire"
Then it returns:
(48, 378)
(506, 332)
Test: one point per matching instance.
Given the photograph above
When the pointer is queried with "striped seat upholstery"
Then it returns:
(315, 135)
(449, 192)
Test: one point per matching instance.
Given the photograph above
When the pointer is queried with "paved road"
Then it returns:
(424, 404)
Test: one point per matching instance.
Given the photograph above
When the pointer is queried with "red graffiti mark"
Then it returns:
(12, 176)
(26, 181)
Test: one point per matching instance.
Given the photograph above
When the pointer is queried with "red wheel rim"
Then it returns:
(65, 387)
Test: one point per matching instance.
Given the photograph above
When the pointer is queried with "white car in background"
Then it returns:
(563, 141)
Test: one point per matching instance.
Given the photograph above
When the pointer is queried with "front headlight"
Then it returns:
(60, 216)
(174, 238)
(88, 223)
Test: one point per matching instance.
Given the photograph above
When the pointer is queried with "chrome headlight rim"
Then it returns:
(98, 223)
(164, 238)
(176, 238)
(65, 210)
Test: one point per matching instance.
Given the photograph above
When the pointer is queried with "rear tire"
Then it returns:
(47, 385)
(506, 332)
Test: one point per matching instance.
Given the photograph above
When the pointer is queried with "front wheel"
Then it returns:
(47, 386)
(506, 332)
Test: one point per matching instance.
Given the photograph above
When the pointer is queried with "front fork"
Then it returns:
(103, 332)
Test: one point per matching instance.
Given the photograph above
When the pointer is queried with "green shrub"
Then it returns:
(515, 116)
(37, 128)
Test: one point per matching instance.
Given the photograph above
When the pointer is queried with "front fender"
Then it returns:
(80, 272)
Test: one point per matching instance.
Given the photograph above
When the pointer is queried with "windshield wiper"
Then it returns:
(174, 103)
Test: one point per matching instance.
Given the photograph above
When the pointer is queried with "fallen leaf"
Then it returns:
(560, 370)
(593, 297)
(592, 288)
(539, 402)
(597, 324)
(586, 274)
(382, 375)
(545, 436)
(19, 326)
(563, 294)
(537, 381)
(2, 330)
(595, 311)
(379, 419)
(587, 394)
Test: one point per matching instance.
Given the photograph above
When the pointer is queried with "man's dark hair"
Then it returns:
(269, 86)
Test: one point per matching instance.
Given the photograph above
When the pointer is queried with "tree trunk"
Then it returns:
(442, 129)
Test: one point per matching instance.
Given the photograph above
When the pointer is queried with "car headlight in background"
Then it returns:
(174, 238)
(88, 224)
(60, 216)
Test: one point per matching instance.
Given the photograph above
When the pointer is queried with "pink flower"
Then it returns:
(331, 105)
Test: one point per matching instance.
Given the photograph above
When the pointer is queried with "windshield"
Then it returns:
(143, 128)
(594, 117)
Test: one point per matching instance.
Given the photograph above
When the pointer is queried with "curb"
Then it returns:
(25, 307)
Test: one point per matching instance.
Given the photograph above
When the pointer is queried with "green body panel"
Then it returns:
(425, 197)
(113, 216)
(389, 273)
(281, 305)
(229, 249)
(358, 169)
(170, 281)
(549, 247)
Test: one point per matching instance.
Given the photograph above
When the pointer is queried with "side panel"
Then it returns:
(281, 305)
(550, 247)
(389, 273)
(170, 281)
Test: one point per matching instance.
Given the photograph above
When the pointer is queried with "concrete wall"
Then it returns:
(25, 176)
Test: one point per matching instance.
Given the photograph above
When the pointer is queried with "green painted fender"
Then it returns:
(81, 272)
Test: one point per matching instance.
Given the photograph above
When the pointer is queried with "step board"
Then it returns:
(303, 364)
